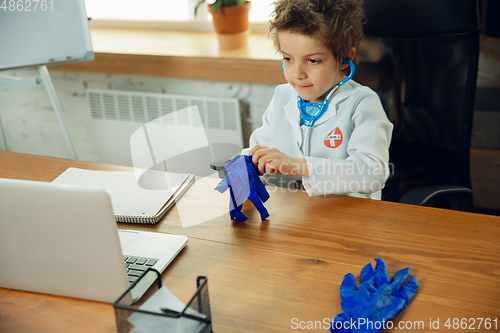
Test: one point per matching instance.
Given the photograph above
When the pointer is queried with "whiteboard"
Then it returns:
(43, 32)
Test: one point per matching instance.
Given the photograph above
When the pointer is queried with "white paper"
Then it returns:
(127, 197)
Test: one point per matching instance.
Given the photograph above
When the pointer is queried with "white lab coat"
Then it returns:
(349, 143)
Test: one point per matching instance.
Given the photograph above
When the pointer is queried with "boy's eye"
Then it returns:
(314, 61)
(287, 58)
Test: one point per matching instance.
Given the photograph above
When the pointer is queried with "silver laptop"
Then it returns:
(63, 240)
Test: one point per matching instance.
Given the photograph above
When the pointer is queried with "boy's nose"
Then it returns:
(298, 72)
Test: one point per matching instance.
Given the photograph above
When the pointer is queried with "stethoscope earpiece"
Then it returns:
(351, 65)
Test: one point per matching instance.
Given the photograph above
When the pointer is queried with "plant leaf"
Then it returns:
(217, 4)
(198, 5)
(221, 3)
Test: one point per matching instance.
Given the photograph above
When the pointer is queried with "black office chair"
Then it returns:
(421, 57)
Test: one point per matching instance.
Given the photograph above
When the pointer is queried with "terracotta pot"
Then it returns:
(231, 19)
(233, 41)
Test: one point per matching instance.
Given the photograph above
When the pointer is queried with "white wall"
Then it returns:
(31, 127)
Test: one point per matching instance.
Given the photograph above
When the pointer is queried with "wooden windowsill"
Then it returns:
(181, 54)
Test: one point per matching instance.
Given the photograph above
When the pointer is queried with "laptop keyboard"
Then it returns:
(136, 266)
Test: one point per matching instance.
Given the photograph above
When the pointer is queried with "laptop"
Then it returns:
(63, 240)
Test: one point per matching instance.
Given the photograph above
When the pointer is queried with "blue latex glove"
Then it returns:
(376, 300)
(243, 182)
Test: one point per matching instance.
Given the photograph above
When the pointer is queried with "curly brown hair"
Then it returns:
(337, 24)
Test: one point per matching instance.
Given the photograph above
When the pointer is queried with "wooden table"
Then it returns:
(283, 273)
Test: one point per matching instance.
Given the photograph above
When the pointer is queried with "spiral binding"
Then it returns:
(137, 219)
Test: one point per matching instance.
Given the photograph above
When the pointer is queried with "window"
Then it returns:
(164, 10)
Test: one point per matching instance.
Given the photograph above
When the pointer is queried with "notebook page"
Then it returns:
(127, 197)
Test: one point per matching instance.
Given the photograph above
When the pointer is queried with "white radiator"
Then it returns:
(116, 115)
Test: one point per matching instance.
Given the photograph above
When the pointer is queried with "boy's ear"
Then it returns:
(350, 55)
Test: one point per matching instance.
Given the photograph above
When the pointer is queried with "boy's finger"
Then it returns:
(272, 168)
(268, 164)
(257, 155)
(261, 164)
(255, 148)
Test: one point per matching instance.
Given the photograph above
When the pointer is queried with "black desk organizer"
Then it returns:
(168, 321)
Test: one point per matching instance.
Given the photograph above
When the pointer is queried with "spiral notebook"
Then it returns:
(135, 197)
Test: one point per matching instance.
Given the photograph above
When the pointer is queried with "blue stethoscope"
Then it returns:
(310, 112)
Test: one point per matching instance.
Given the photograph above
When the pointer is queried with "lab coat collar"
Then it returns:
(293, 115)
(292, 111)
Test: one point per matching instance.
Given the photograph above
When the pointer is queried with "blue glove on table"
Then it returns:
(376, 300)
(243, 182)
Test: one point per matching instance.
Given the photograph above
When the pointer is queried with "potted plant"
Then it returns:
(230, 19)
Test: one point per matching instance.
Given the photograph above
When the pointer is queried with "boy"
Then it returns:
(349, 142)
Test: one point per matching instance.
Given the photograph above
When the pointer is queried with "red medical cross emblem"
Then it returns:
(334, 138)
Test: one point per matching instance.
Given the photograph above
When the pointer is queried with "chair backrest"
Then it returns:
(421, 57)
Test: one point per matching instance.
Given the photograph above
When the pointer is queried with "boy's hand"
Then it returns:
(272, 161)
